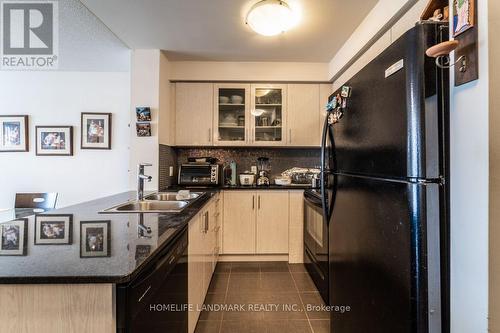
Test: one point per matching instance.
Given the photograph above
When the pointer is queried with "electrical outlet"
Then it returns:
(171, 171)
(253, 169)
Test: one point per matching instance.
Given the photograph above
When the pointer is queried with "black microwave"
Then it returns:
(199, 174)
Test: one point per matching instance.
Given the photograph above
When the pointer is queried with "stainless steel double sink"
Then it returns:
(161, 202)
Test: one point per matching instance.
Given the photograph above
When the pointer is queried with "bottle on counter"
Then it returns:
(226, 171)
(232, 165)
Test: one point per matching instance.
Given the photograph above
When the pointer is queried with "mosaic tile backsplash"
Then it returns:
(168, 157)
(281, 158)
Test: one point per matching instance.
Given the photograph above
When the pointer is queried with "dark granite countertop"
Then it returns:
(243, 187)
(270, 187)
(64, 264)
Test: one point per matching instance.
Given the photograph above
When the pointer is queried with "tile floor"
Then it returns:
(285, 290)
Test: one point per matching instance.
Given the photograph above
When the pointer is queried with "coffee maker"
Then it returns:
(263, 167)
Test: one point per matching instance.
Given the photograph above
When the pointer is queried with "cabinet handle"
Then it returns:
(253, 202)
(247, 139)
(207, 217)
(259, 201)
(290, 135)
(209, 135)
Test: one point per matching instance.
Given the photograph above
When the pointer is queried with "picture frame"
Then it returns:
(95, 130)
(143, 129)
(464, 16)
(143, 113)
(53, 229)
(54, 140)
(14, 133)
(95, 240)
(14, 237)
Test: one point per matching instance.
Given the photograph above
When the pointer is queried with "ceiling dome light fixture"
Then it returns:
(272, 17)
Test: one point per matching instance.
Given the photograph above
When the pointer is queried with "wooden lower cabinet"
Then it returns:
(255, 222)
(195, 271)
(202, 236)
(296, 230)
(238, 235)
(272, 222)
(216, 228)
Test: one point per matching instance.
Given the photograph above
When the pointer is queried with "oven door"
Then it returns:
(316, 242)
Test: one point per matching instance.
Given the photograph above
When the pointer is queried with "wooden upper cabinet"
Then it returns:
(325, 90)
(193, 114)
(303, 116)
(231, 114)
(268, 114)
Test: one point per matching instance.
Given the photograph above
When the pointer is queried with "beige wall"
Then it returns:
(145, 78)
(150, 86)
(400, 27)
(249, 71)
(379, 18)
(93, 76)
(469, 193)
(494, 227)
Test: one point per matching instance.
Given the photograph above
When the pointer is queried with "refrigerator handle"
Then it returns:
(327, 188)
(323, 168)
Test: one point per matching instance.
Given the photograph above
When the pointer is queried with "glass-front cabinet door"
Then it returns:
(232, 105)
(268, 115)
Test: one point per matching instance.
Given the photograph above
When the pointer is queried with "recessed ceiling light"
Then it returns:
(272, 17)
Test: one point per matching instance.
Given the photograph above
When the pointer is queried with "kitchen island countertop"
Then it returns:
(128, 253)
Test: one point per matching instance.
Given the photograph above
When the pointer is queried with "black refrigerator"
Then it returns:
(385, 192)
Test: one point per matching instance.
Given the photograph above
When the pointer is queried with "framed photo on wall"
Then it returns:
(143, 113)
(464, 16)
(143, 129)
(53, 229)
(14, 133)
(96, 130)
(95, 240)
(54, 140)
(13, 237)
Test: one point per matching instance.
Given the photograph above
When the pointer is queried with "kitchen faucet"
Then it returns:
(140, 180)
(142, 230)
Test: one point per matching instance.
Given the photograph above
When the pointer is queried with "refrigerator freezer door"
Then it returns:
(382, 264)
(393, 124)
